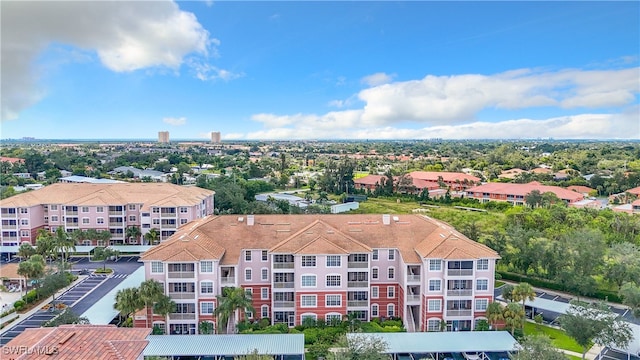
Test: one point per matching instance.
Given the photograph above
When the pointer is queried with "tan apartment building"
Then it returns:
(163, 137)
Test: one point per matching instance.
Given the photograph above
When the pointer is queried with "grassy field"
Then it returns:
(386, 206)
(557, 336)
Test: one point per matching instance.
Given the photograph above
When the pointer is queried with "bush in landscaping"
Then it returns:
(19, 305)
(317, 351)
(31, 296)
(103, 271)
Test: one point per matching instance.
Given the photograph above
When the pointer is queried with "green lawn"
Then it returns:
(499, 283)
(557, 336)
(571, 357)
(386, 206)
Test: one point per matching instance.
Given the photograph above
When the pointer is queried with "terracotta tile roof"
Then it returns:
(10, 271)
(446, 176)
(149, 194)
(580, 189)
(541, 171)
(524, 189)
(224, 237)
(11, 159)
(96, 342)
(369, 180)
(635, 191)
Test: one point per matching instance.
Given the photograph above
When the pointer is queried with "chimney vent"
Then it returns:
(386, 219)
(250, 220)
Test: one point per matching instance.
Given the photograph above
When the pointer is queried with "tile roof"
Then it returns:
(524, 189)
(224, 237)
(70, 342)
(580, 189)
(446, 176)
(149, 194)
(635, 191)
(10, 271)
(377, 179)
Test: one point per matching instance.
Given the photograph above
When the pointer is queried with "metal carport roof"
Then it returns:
(102, 312)
(545, 304)
(441, 342)
(130, 248)
(84, 249)
(230, 345)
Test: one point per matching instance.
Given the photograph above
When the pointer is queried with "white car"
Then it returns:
(472, 355)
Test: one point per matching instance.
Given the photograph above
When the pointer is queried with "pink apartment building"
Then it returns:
(104, 207)
(324, 267)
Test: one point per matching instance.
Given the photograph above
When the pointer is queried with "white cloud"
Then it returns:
(205, 71)
(377, 79)
(175, 121)
(125, 35)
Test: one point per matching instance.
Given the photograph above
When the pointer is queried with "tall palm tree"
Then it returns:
(152, 236)
(164, 306)
(513, 315)
(64, 244)
(104, 236)
(32, 269)
(494, 313)
(133, 232)
(523, 292)
(45, 245)
(128, 301)
(232, 300)
(25, 251)
(78, 236)
(150, 291)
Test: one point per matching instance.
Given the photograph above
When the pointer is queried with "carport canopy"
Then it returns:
(545, 304)
(445, 342)
(137, 249)
(83, 249)
(9, 249)
(102, 312)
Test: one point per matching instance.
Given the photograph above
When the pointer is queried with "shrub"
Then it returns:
(103, 271)
(19, 305)
(31, 296)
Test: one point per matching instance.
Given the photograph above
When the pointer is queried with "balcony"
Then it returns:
(111, 212)
(413, 298)
(10, 227)
(228, 280)
(283, 285)
(413, 278)
(71, 213)
(10, 238)
(182, 295)
(181, 274)
(358, 284)
(283, 265)
(284, 304)
(7, 215)
(168, 226)
(460, 292)
(465, 312)
(116, 224)
(182, 316)
(460, 272)
(168, 214)
(357, 303)
(357, 265)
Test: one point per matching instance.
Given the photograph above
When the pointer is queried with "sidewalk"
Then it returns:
(35, 309)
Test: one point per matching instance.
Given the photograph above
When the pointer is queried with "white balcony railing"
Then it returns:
(228, 280)
(459, 312)
(413, 278)
(357, 265)
(283, 285)
(284, 304)
(182, 295)
(283, 265)
(357, 303)
(413, 298)
(181, 274)
(182, 316)
(459, 272)
(357, 284)
(461, 292)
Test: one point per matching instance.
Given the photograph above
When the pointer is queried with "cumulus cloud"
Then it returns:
(377, 79)
(175, 121)
(125, 36)
(205, 71)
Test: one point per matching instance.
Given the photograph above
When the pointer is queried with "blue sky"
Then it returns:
(320, 70)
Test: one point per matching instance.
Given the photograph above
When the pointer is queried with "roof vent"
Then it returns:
(250, 220)
(396, 219)
(240, 219)
(386, 219)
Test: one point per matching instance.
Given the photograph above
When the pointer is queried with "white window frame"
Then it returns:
(434, 305)
(132, 207)
(308, 259)
(208, 283)
(375, 273)
(154, 267)
(331, 261)
(206, 305)
(482, 264)
(332, 280)
(24, 222)
(206, 266)
(431, 323)
(264, 274)
(54, 218)
(391, 292)
(478, 304)
(183, 210)
(304, 301)
(375, 292)
(99, 209)
(391, 310)
(375, 310)
(308, 276)
(375, 255)
(53, 207)
(86, 220)
(84, 209)
(392, 255)
(328, 317)
(247, 256)
(435, 281)
(485, 281)
(264, 256)
(391, 273)
(248, 274)
(264, 311)
(264, 293)
(333, 303)
(435, 265)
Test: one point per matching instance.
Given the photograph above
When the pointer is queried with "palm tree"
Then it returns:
(25, 251)
(523, 292)
(78, 236)
(494, 313)
(232, 300)
(164, 306)
(45, 246)
(133, 232)
(32, 268)
(104, 236)
(513, 315)
(64, 244)
(128, 301)
(150, 291)
(152, 236)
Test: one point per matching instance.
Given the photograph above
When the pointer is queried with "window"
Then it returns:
(392, 254)
(374, 273)
(206, 308)
(434, 305)
(206, 287)
(304, 317)
(54, 218)
(435, 265)
(157, 267)
(85, 209)
(308, 300)
(24, 211)
(99, 220)
(308, 281)
(183, 221)
(308, 261)
(156, 221)
(434, 285)
(100, 209)
(183, 210)
(249, 292)
(482, 264)
(391, 310)
(264, 293)
(206, 266)
(375, 292)
(331, 318)
(264, 311)
(265, 256)
(391, 273)
(155, 210)
(481, 304)
(24, 221)
(132, 206)
(433, 325)
(25, 233)
(333, 280)
(374, 256)
(247, 274)
(53, 207)
(248, 314)
(374, 310)
(264, 274)
(247, 255)
(333, 300)
(85, 221)
(333, 261)
(132, 218)
(391, 292)
(482, 285)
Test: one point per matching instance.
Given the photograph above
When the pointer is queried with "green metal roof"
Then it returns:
(432, 342)
(229, 345)
(130, 248)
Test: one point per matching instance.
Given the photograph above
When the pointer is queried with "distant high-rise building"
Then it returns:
(163, 137)
(215, 137)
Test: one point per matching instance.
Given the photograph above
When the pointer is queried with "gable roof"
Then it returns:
(446, 176)
(524, 189)
(224, 237)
